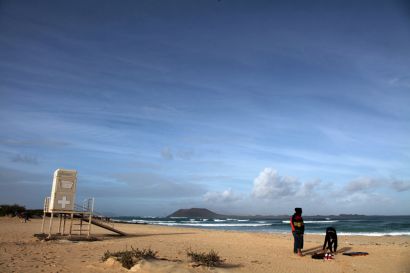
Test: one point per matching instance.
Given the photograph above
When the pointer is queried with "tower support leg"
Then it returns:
(71, 224)
(50, 226)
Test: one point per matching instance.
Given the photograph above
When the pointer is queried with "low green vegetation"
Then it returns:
(128, 258)
(11, 210)
(210, 259)
(16, 209)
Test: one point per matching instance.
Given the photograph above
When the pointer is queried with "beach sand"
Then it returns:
(20, 251)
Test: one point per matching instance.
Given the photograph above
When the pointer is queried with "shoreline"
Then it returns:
(210, 227)
(244, 251)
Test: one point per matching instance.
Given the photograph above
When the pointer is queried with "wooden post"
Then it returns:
(64, 223)
(71, 223)
(89, 224)
(59, 226)
(42, 224)
(81, 223)
(45, 209)
(51, 223)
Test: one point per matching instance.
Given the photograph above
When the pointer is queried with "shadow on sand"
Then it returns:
(228, 266)
(99, 237)
(312, 250)
(319, 249)
(159, 234)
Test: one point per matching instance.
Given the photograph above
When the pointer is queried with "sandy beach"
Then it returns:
(20, 251)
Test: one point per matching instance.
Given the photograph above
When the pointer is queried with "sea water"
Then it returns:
(357, 225)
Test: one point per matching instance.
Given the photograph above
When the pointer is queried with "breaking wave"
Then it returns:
(313, 222)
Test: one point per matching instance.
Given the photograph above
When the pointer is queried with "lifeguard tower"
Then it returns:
(61, 203)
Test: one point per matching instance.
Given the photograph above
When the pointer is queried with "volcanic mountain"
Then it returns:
(195, 213)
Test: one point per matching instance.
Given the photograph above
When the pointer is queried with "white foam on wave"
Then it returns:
(313, 222)
(139, 221)
(211, 225)
(322, 221)
(376, 234)
(371, 234)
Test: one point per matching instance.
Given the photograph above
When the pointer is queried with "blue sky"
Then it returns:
(245, 107)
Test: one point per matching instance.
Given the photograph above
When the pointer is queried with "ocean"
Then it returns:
(355, 225)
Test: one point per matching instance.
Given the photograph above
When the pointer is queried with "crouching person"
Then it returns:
(330, 239)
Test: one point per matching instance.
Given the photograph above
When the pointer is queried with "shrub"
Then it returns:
(107, 254)
(11, 209)
(128, 258)
(210, 259)
(144, 253)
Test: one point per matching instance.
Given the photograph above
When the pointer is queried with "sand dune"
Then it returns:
(20, 251)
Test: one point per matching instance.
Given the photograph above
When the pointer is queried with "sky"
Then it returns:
(241, 107)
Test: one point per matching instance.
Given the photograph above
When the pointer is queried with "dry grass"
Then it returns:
(128, 258)
(210, 259)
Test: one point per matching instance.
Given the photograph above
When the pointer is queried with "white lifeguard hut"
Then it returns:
(62, 203)
(63, 190)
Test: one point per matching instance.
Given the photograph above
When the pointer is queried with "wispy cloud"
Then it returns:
(363, 184)
(400, 185)
(27, 159)
(226, 196)
(151, 185)
(310, 188)
(166, 153)
(337, 135)
(403, 81)
(368, 184)
(36, 142)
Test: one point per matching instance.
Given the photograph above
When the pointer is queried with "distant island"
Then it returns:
(196, 213)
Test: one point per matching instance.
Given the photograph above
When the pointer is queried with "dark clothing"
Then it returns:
(330, 239)
(298, 229)
(296, 222)
(298, 244)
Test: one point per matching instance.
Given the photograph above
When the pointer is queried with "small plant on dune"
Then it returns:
(144, 253)
(128, 258)
(210, 259)
(107, 254)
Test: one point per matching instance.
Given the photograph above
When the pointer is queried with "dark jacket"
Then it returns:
(330, 239)
(296, 222)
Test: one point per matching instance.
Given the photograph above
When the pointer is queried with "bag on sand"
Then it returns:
(318, 256)
(323, 256)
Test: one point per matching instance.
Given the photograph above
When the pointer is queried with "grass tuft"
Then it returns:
(128, 258)
(210, 259)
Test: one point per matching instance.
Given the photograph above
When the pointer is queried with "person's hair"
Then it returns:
(298, 210)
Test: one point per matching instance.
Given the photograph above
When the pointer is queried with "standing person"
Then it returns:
(298, 229)
(26, 217)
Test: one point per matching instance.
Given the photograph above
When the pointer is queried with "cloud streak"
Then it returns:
(226, 196)
(27, 159)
